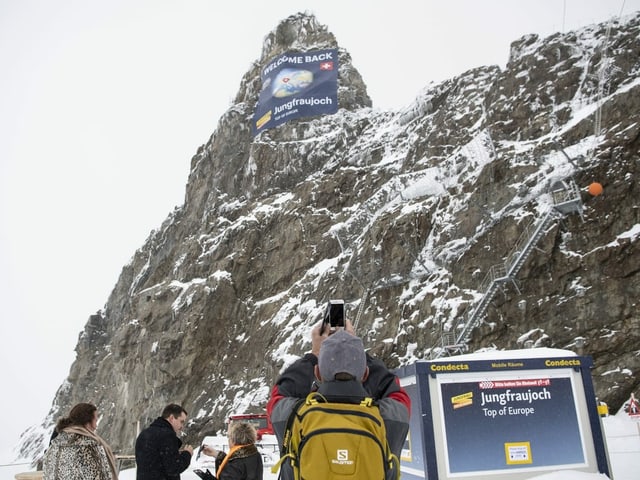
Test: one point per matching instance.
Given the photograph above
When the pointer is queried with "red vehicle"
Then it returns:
(258, 420)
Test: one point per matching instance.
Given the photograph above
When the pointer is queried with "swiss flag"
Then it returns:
(326, 66)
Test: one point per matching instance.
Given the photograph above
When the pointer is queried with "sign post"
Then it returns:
(512, 417)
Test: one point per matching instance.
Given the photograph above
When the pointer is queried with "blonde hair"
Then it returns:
(242, 433)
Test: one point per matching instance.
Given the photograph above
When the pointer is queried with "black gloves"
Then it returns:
(205, 475)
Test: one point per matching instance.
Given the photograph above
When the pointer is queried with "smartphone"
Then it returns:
(333, 315)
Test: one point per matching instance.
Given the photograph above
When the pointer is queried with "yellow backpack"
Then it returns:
(327, 441)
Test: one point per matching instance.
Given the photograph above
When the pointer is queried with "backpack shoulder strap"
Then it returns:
(314, 398)
(285, 448)
(287, 431)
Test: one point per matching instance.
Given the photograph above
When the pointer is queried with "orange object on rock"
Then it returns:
(595, 189)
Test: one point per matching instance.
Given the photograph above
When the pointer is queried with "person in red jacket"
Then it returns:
(300, 379)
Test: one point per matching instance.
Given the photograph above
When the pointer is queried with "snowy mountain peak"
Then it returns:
(402, 214)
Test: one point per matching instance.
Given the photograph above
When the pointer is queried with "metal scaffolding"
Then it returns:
(566, 200)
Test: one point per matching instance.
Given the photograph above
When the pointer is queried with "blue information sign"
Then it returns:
(502, 416)
(522, 423)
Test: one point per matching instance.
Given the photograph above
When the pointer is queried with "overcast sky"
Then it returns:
(103, 104)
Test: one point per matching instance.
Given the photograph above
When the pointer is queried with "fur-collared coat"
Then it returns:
(77, 454)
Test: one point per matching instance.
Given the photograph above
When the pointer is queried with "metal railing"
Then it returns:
(565, 200)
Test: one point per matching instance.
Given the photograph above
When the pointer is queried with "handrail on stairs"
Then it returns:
(566, 199)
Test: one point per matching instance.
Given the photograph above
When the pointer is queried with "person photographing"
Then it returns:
(339, 370)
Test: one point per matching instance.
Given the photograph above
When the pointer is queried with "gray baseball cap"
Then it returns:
(342, 353)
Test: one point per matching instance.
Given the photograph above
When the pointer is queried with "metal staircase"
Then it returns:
(566, 199)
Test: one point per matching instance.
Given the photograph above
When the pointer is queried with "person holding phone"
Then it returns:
(243, 461)
(299, 379)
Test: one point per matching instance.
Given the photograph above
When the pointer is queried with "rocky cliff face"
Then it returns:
(402, 214)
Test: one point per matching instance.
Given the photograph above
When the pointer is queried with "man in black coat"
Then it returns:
(159, 452)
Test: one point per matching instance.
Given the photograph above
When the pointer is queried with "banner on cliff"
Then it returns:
(295, 85)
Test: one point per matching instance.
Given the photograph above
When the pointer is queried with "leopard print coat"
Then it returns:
(76, 457)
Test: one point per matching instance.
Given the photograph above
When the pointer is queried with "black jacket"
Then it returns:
(243, 464)
(297, 381)
(158, 455)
